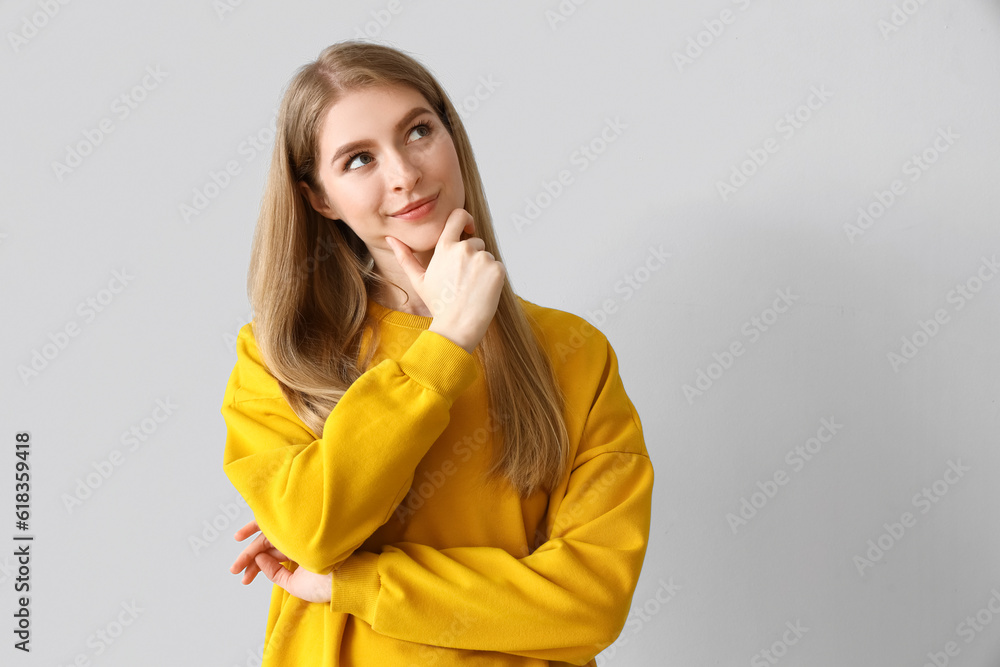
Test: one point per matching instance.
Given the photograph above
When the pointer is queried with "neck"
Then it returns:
(393, 299)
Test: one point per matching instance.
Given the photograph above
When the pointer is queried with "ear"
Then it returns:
(318, 202)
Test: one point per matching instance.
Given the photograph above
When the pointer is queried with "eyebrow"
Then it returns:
(400, 126)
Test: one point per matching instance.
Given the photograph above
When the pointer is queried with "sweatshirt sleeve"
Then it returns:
(566, 601)
(318, 499)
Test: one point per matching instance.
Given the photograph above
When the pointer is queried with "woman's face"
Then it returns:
(382, 149)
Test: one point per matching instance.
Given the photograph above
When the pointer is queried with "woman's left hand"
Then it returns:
(259, 556)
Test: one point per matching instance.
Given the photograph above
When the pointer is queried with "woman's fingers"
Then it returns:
(245, 557)
(262, 556)
(250, 573)
(245, 560)
(253, 568)
(273, 570)
(301, 583)
(247, 530)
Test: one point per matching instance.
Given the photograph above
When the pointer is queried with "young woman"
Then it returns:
(441, 472)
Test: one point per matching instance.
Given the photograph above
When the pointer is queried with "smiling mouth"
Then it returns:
(418, 211)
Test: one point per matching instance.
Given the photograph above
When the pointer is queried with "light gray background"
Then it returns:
(707, 595)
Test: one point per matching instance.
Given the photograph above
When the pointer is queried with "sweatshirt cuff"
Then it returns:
(439, 363)
(356, 586)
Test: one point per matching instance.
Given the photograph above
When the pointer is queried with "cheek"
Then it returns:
(444, 154)
(452, 168)
(359, 200)
(459, 182)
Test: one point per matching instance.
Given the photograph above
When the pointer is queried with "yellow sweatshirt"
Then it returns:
(430, 567)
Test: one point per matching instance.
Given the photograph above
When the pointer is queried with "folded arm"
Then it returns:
(318, 499)
(566, 601)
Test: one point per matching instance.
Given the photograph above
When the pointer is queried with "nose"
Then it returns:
(403, 173)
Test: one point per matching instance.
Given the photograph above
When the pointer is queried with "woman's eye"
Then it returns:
(347, 165)
(424, 126)
(353, 158)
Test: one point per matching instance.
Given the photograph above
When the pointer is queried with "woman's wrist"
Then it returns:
(448, 332)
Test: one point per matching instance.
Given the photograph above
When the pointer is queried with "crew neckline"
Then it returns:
(398, 317)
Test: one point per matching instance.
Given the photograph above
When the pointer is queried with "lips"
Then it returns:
(409, 207)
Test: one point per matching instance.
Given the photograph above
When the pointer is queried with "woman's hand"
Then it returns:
(462, 282)
(261, 556)
(247, 558)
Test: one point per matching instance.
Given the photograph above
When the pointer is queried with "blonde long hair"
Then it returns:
(310, 278)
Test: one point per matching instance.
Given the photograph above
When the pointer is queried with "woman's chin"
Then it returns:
(422, 236)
